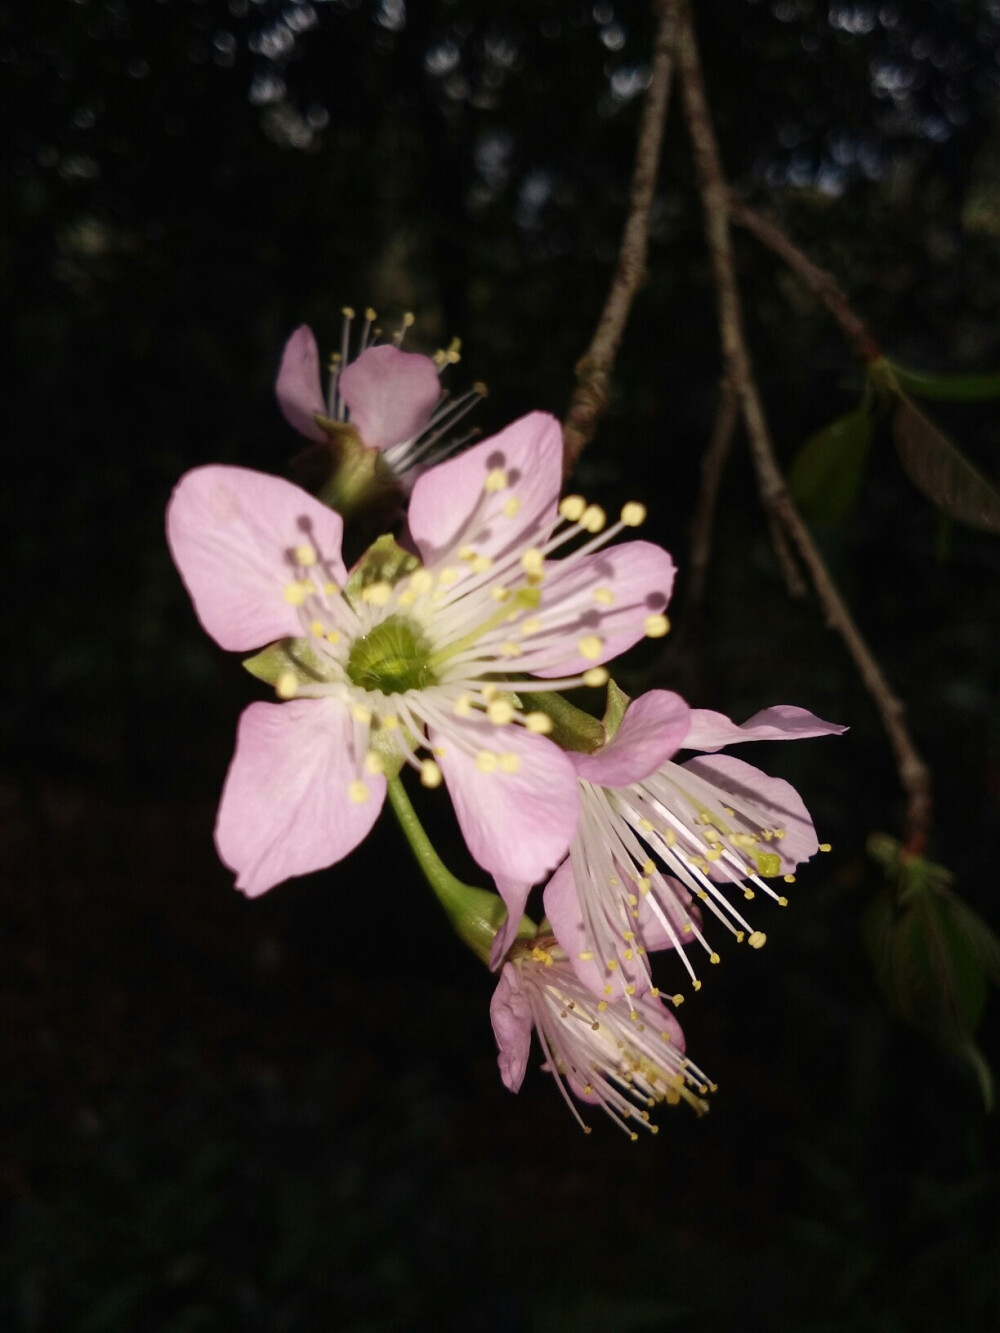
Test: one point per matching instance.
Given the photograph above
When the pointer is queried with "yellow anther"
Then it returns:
(500, 594)
(714, 852)
(591, 646)
(677, 999)
(714, 958)
(406, 598)
(466, 553)
(296, 593)
(358, 792)
(347, 311)
(430, 773)
(500, 712)
(377, 594)
(743, 839)
(533, 561)
(593, 518)
(390, 721)
(586, 956)
(826, 847)
(646, 824)
(696, 984)
(421, 581)
(595, 676)
(540, 723)
(789, 879)
(487, 761)
(374, 763)
(633, 514)
(305, 556)
(409, 319)
(757, 939)
(511, 506)
(740, 936)
(748, 894)
(656, 626)
(604, 596)
(572, 507)
(531, 626)
(332, 636)
(317, 628)
(481, 564)
(463, 706)
(370, 314)
(510, 762)
(490, 692)
(496, 480)
(648, 866)
(448, 576)
(510, 650)
(330, 588)
(782, 901)
(362, 713)
(686, 928)
(287, 685)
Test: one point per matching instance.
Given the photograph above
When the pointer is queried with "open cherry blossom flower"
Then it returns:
(407, 659)
(621, 1058)
(714, 823)
(390, 399)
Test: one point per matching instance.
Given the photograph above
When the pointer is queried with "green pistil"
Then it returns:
(393, 658)
(526, 599)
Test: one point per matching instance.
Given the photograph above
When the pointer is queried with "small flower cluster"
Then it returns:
(444, 653)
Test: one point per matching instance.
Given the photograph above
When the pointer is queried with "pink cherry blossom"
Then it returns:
(623, 1059)
(392, 398)
(715, 823)
(411, 666)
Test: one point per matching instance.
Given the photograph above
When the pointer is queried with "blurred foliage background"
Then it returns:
(285, 1115)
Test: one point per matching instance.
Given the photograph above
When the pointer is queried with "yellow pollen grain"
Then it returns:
(757, 939)
(374, 763)
(317, 628)
(511, 506)
(422, 581)
(362, 713)
(287, 685)
(481, 564)
(633, 514)
(358, 792)
(430, 773)
(789, 879)
(463, 706)
(593, 519)
(509, 762)
(496, 480)
(595, 676)
(487, 761)
(826, 847)
(377, 594)
(305, 556)
(572, 507)
(656, 626)
(533, 561)
(540, 723)
(604, 596)
(500, 712)
(591, 646)
(295, 593)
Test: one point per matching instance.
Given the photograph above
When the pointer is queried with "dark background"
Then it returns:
(285, 1114)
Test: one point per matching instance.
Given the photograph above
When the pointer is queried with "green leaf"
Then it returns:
(941, 471)
(973, 388)
(826, 473)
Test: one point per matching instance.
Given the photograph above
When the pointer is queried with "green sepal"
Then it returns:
(476, 914)
(385, 561)
(287, 655)
(618, 701)
(572, 728)
(359, 478)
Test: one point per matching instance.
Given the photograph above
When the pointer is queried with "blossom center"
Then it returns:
(393, 657)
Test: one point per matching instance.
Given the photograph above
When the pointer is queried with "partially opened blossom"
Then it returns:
(405, 661)
(660, 845)
(390, 400)
(623, 1059)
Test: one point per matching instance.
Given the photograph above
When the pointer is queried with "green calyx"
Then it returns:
(393, 658)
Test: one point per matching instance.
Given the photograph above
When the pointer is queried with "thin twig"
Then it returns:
(712, 464)
(822, 284)
(589, 400)
(914, 774)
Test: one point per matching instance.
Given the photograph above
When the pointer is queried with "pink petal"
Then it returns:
(640, 577)
(651, 732)
(516, 825)
(298, 388)
(230, 530)
(391, 394)
(449, 506)
(777, 801)
(510, 1014)
(285, 807)
(783, 722)
(515, 897)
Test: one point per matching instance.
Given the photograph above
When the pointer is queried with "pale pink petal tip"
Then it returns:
(782, 722)
(391, 394)
(298, 388)
(510, 1014)
(288, 805)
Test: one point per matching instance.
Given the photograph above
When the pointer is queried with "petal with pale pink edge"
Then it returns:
(510, 1014)
(778, 804)
(639, 577)
(285, 806)
(515, 896)
(298, 389)
(449, 506)
(230, 531)
(651, 732)
(517, 825)
(783, 722)
(391, 394)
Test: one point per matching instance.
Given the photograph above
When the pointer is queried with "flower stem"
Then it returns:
(475, 914)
